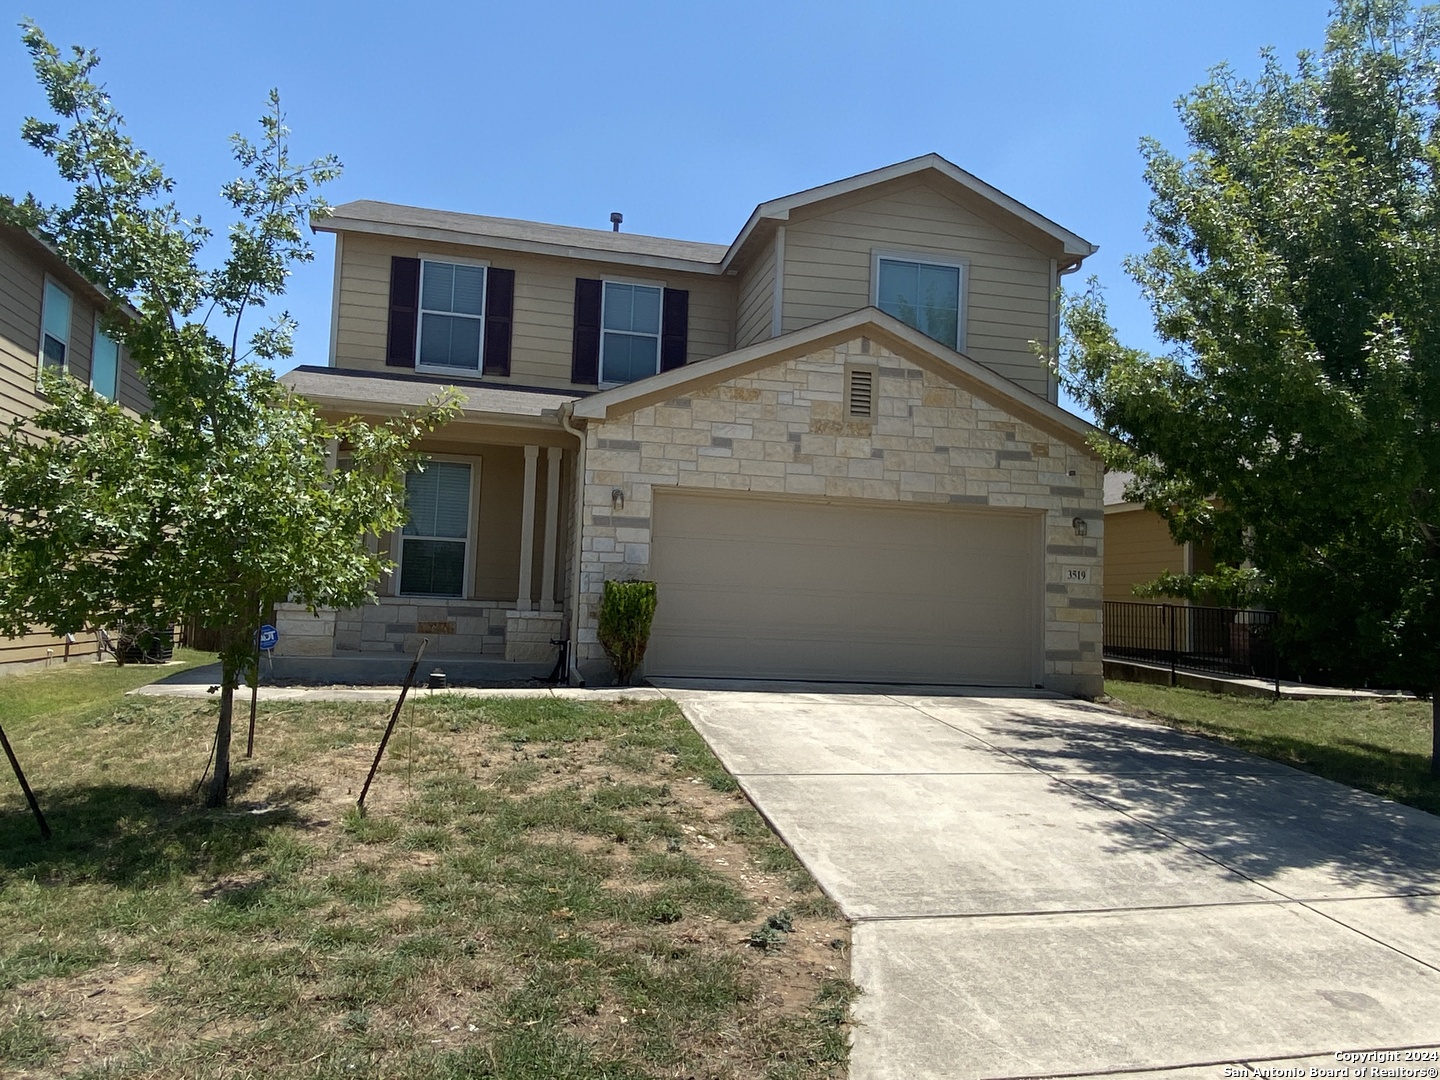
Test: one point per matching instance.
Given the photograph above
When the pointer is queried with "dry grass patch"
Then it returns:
(541, 888)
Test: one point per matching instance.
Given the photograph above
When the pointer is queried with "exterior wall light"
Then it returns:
(1080, 526)
(617, 499)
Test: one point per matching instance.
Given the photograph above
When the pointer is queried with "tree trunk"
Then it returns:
(219, 793)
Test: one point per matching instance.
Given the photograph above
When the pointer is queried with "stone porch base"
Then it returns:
(528, 635)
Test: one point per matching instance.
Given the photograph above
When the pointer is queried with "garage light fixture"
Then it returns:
(1080, 526)
(617, 499)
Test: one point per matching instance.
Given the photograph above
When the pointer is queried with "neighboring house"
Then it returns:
(1139, 547)
(49, 315)
(830, 442)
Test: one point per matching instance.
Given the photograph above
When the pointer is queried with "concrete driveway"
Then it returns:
(1043, 887)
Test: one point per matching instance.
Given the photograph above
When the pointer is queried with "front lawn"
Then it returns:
(541, 889)
(1378, 746)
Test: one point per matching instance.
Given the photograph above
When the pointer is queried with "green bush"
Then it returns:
(626, 611)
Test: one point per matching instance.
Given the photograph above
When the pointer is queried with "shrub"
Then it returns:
(626, 611)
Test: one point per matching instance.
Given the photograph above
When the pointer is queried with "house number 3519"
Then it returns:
(1077, 574)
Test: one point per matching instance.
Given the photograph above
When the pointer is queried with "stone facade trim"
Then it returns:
(778, 429)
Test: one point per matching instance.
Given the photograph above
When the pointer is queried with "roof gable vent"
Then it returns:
(860, 393)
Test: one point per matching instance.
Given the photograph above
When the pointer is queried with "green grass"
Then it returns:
(1377, 746)
(526, 897)
(79, 688)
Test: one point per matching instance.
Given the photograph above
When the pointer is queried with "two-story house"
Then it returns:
(50, 318)
(831, 442)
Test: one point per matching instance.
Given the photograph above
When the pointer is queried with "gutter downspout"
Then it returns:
(567, 410)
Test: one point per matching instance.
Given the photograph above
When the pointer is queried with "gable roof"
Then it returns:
(1075, 247)
(868, 322)
(600, 245)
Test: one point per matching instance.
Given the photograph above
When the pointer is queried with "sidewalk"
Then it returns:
(1241, 686)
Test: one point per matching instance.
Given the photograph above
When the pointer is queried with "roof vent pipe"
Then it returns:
(615, 219)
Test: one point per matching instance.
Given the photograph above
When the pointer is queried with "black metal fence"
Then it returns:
(1226, 641)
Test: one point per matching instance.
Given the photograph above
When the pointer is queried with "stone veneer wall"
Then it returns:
(397, 623)
(528, 635)
(780, 430)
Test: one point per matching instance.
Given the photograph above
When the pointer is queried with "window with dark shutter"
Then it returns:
(585, 352)
(404, 309)
(675, 329)
(499, 320)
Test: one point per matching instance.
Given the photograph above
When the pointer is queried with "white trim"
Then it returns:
(335, 301)
(649, 283)
(1052, 384)
(448, 260)
(658, 335)
(96, 333)
(527, 531)
(777, 311)
(472, 519)
(554, 455)
(950, 262)
(69, 341)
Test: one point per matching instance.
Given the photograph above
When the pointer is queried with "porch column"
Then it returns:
(552, 526)
(527, 530)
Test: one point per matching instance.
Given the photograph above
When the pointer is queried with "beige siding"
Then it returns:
(1138, 548)
(544, 305)
(42, 646)
(757, 301)
(21, 288)
(828, 261)
(22, 285)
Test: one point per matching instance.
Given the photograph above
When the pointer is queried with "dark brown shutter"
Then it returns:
(499, 319)
(404, 310)
(585, 355)
(674, 328)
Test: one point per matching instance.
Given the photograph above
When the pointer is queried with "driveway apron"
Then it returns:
(1044, 887)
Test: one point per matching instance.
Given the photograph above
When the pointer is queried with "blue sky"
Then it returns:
(681, 115)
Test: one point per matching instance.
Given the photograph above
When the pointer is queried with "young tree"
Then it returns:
(1296, 274)
(221, 500)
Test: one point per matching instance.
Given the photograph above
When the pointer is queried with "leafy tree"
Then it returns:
(221, 500)
(1295, 276)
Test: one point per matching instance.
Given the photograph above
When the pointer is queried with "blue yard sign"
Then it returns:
(269, 637)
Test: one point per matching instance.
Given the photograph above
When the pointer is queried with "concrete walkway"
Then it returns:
(1043, 887)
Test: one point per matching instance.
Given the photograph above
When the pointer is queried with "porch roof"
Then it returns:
(383, 393)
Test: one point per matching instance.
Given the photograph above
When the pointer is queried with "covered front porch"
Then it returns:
(480, 567)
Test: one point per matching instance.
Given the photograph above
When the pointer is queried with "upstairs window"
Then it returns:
(452, 316)
(55, 328)
(105, 364)
(435, 542)
(626, 330)
(630, 338)
(924, 294)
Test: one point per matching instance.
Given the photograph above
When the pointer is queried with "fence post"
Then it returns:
(1170, 618)
(1275, 649)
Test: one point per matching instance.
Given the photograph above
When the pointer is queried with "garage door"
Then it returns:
(788, 589)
